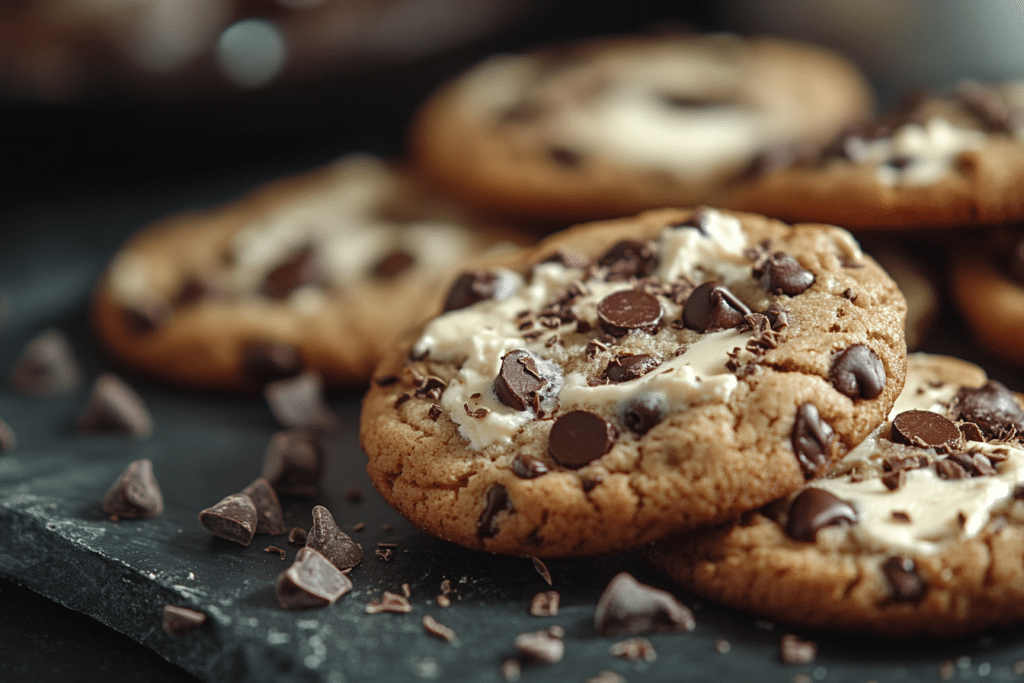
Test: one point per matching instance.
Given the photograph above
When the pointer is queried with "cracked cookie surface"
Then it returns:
(627, 379)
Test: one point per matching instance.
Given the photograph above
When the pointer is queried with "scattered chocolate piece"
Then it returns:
(297, 536)
(606, 676)
(406, 590)
(393, 265)
(327, 539)
(497, 502)
(628, 607)
(900, 516)
(634, 650)
(269, 519)
(545, 604)
(894, 480)
(778, 316)
(435, 628)
(857, 372)
(312, 581)
(629, 309)
(446, 587)
(971, 432)
(580, 437)
(262, 361)
(949, 469)
(814, 509)
(991, 407)
(796, 651)
(8, 440)
(274, 549)
(384, 551)
(528, 467)
(905, 583)
(519, 380)
(925, 429)
(299, 402)
(542, 569)
(478, 413)
(811, 439)
(301, 269)
(643, 411)
(180, 621)
(539, 647)
(135, 494)
(711, 308)
(780, 273)
(626, 367)
(628, 259)
(389, 602)
(293, 462)
(511, 669)
(434, 412)
(974, 464)
(113, 407)
(471, 287)
(430, 388)
(358, 526)
(233, 518)
(850, 294)
(46, 367)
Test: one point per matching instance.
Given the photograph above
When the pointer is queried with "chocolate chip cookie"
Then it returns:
(630, 378)
(611, 127)
(319, 272)
(918, 530)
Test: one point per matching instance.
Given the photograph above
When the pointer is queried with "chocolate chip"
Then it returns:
(580, 437)
(430, 388)
(519, 380)
(901, 517)
(629, 258)
(471, 287)
(293, 462)
(312, 581)
(925, 429)
(564, 156)
(135, 494)
(971, 432)
(233, 518)
(113, 407)
(711, 307)
(299, 402)
(589, 484)
(643, 411)
(778, 316)
(8, 440)
(814, 509)
(46, 367)
(698, 220)
(780, 273)
(626, 367)
(894, 480)
(539, 647)
(991, 407)
(811, 439)
(497, 502)
(269, 519)
(327, 539)
(301, 269)
(628, 607)
(297, 536)
(180, 621)
(263, 361)
(143, 317)
(796, 651)
(545, 604)
(527, 467)
(975, 464)
(393, 265)
(905, 583)
(629, 309)
(950, 470)
(193, 290)
(857, 372)
(434, 412)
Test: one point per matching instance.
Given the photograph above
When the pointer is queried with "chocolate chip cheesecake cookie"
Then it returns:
(918, 530)
(319, 272)
(630, 378)
(611, 127)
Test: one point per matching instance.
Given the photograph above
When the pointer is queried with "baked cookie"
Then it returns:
(919, 530)
(318, 272)
(988, 286)
(950, 159)
(630, 378)
(613, 126)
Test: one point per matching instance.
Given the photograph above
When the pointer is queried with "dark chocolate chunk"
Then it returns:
(711, 307)
(233, 518)
(113, 407)
(301, 269)
(297, 536)
(796, 651)
(950, 469)
(629, 309)
(143, 317)
(293, 462)
(626, 367)
(497, 502)
(299, 402)
(8, 440)
(894, 480)
(974, 464)
(925, 429)
(580, 437)
(905, 584)
(527, 467)
(778, 316)
(269, 519)
(628, 607)
(991, 407)
(430, 388)
(812, 439)
(393, 265)
(135, 494)
(814, 509)
(780, 273)
(519, 380)
(857, 372)
(545, 604)
(971, 432)
(629, 258)
(644, 411)
(181, 621)
(263, 361)
(327, 539)
(471, 287)
(46, 367)
(434, 412)
(312, 581)
(698, 220)
(540, 647)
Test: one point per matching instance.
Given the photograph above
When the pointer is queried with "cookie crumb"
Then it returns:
(722, 647)
(436, 628)
(634, 650)
(443, 601)
(795, 650)
(511, 669)
(274, 549)
(545, 604)
(389, 602)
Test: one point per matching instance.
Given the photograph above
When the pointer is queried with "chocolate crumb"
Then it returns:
(545, 604)
(358, 526)
(180, 621)
(541, 569)
(947, 669)
(312, 581)
(443, 601)
(446, 587)
(634, 650)
(850, 294)
(606, 676)
(113, 407)
(436, 628)
(297, 536)
(402, 398)
(795, 650)
(389, 602)
(539, 647)
(479, 413)
(434, 412)
(274, 549)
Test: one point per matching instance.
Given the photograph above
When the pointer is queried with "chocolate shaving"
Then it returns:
(541, 569)
(389, 602)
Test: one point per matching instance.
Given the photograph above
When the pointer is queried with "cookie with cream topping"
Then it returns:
(316, 272)
(918, 530)
(630, 378)
(610, 127)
